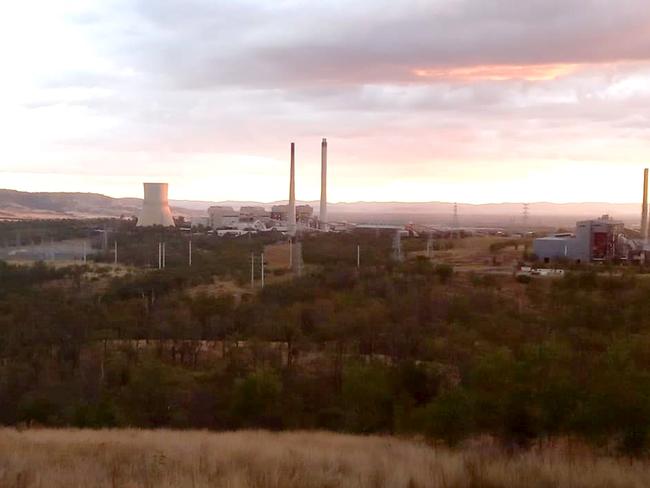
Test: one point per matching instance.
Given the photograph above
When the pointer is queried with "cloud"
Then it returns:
(420, 89)
(199, 44)
(533, 72)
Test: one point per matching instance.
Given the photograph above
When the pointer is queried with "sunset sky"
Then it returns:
(454, 100)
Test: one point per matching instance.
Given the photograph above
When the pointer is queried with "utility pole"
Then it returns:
(299, 256)
(159, 255)
(115, 252)
(290, 253)
(526, 213)
(83, 253)
(164, 255)
(429, 244)
(262, 269)
(358, 256)
(190, 254)
(252, 270)
(105, 240)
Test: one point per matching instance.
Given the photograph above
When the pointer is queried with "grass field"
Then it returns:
(136, 458)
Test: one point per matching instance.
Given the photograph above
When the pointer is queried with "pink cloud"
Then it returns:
(534, 72)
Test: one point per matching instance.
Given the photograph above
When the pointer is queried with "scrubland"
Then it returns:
(166, 459)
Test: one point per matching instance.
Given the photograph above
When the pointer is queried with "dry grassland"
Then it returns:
(166, 459)
(218, 288)
(277, 256)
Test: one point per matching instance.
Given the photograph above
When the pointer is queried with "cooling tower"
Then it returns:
(291, 212)
(323, 186)
(155, 209)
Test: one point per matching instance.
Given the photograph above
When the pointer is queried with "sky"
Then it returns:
(454, 100)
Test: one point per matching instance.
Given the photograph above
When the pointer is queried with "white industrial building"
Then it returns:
(304, 213)
(251, 213)
(222, 217)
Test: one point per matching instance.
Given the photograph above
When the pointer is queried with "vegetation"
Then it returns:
(172, 459)
(404, 348)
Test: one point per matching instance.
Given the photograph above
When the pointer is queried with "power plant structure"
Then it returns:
(291, 213)
(301, 217)
(290, 218)
(155, 208)
(598, 240)
(322, 216)
(594, 240)
(644, 209)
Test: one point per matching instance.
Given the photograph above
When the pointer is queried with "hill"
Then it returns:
(25, 205)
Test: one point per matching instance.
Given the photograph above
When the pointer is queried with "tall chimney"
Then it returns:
(291, 211)
(644, 210)
(323, 185)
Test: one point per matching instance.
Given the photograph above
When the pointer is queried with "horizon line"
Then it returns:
(344, 202)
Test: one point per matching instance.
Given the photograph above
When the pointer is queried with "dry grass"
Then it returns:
(165, 459)
(277, 256)
(218, 288)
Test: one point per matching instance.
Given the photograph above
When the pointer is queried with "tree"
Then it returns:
(256, 400)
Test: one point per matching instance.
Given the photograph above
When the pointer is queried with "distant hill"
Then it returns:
(23, 205)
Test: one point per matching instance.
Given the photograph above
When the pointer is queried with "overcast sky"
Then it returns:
(454, 100)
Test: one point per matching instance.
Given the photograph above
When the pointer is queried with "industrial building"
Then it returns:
(595, 240)
(250, 214)
(221, 216)
(247, 218)
(304, 213)
(598, 240)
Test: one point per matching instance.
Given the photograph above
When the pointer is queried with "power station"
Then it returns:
(596, 240)
(290, 218)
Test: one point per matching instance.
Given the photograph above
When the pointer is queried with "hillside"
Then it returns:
(175, 459)
(24, 205)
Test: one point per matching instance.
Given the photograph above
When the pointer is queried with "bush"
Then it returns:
(444, 272)
(524, 279)
(256, 400)
(449, 417)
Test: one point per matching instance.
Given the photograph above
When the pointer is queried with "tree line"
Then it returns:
(408, 347)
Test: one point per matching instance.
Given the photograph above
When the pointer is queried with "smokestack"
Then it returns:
(323, 185)
(644, 210)
(291, 211)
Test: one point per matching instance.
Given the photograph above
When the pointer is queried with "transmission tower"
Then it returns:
(397, 246)
(526, 213)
